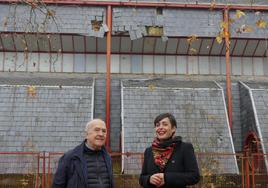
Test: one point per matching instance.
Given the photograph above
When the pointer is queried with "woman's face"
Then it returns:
(164, 129)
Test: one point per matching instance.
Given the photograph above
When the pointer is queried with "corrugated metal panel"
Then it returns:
(204, 65)
(232, 45)
(172, 44)
(101, 45)
(125, 64)
(149, 45)
(55, 41)
(79, 44)
(33, 63)
(136, 64)
(7, 42)
(115, 47)
(193, 65)
(159, 65)
(206, 46)
(239, 47)
(247, 66)
(148, 64)
(91, 63)
(32, 42)
(79, 63)
(19, 44)
(261, 48)
(170, 64)
(101, 63)
(115, 66)
(194, 47)
(9, 60)
(55, 62)
(1, 61)
(214, 64)
(125, 44)
(137, 45)
(236, 65)
(68, 63)
(183, 46)
(250, 48)
(160, 46)
(91, 44)
(67, 43)
(182, 65)
(216, 48)
(258, 67)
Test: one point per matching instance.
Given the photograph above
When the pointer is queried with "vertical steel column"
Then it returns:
(44, 170)
(247, 172)
(243, 171)
(49, 171)
(228, 74)
(38, 171)
(108, 72)
(253, 170)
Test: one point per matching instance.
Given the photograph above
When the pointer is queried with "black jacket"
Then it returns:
(72, 169)
(180, 171)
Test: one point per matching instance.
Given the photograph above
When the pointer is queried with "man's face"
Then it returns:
(96, 135)
(164, 129)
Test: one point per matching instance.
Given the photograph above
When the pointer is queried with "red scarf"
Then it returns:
(162, 151)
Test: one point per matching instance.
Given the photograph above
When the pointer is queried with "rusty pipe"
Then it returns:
(108, 74)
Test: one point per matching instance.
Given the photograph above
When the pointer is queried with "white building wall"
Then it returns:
(136, 64)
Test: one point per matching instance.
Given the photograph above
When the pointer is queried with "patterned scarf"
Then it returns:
(162, 151)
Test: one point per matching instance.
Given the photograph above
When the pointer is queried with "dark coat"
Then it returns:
(72, 169)
(180, 171)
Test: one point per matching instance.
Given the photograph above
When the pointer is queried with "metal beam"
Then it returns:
(148, 4)
(108, 75)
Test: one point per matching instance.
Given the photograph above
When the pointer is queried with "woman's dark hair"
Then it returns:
(166, 115)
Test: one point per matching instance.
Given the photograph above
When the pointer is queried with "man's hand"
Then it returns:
(157, 179)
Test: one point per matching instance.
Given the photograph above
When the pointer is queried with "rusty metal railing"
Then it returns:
(34, 169)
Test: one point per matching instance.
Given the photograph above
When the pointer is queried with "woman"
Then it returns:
(169, 162)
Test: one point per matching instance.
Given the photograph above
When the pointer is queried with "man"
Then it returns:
(88, 165)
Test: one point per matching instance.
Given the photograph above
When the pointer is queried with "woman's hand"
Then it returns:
(157, 179)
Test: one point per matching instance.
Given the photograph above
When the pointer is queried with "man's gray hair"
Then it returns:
(92, 122)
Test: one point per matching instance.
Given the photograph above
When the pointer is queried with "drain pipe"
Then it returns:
(228, 74)
(108, 74)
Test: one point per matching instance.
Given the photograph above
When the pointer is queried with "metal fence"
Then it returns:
(20, 169)
(36, 170)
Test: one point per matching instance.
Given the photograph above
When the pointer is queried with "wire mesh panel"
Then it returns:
(36, 170)
(132, 163)
(19, 170)
(129, 179)
(215, 163)
(53, 160)
(216, 170)
(255, 170)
